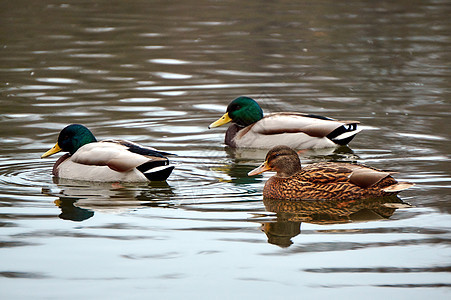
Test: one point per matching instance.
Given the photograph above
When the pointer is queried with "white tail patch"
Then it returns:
(400, 186)
(157, 169)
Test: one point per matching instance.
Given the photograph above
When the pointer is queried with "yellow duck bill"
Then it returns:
(221, 121)
(55, 149)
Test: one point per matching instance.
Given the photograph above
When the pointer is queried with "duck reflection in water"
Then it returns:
(79, 200)
(330, 154)
(290, 214)
(71, 212)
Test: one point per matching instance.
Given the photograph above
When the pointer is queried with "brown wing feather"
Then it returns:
(326, 172)
(366, 178)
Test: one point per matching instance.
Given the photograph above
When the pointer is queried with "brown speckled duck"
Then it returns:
(327, 180)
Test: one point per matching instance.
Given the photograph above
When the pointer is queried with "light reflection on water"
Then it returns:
(158, 76)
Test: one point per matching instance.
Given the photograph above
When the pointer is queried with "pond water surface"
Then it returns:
(158, 73)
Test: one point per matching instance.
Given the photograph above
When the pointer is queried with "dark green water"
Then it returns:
(158, 73)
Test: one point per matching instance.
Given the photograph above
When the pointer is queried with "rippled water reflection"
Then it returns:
(158, 74)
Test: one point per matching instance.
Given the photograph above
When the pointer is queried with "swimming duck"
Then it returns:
(250, 129)
(108, 161)
(326, 181)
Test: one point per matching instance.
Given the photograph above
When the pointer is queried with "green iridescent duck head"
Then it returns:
(242, 111)
(71, 138)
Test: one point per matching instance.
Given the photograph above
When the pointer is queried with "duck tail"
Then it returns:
(344, 134)
(156, 170)
(400, 186)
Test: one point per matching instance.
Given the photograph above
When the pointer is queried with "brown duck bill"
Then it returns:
(260, 169)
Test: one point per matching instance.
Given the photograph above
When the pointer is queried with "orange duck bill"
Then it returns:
(260, 169)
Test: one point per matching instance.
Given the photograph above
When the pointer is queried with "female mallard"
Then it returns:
(250, 129)
(327, 181)
(109, 160)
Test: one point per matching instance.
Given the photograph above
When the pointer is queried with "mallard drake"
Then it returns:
(250, 129)
(327, 180)
(108, 161)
